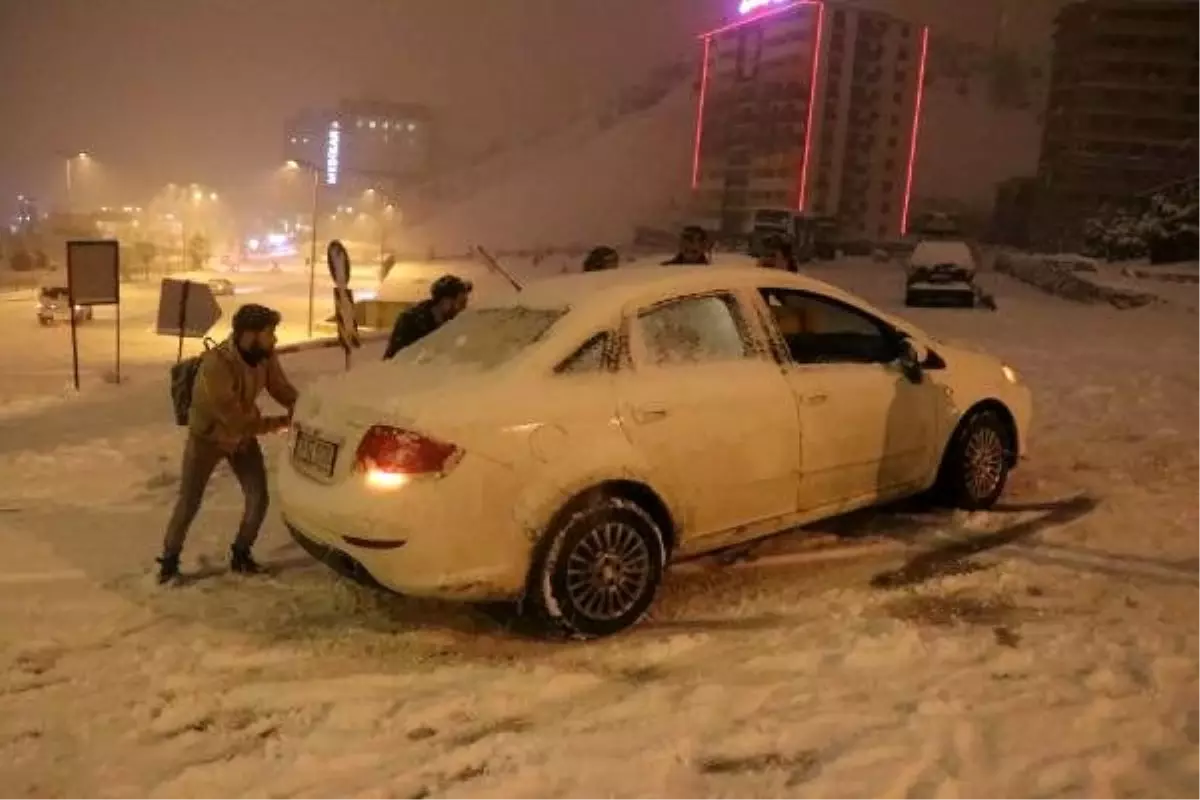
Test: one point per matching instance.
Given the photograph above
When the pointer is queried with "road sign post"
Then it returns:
(183, 298)
(187, 310)
(93, 279)
(343, 298)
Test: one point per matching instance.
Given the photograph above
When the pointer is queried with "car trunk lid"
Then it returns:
(334, 415)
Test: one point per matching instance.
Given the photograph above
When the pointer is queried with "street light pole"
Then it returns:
(68, 158)
(70, 201)
(312, 256)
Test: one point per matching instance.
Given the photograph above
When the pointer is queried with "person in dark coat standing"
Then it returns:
(601, 258)
(780, 255)
(693, 247)
(447, 297)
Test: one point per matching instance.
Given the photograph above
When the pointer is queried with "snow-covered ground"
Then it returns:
(1046, 648)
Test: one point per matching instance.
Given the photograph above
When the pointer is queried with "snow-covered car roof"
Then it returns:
(602, 296)
(932, 253)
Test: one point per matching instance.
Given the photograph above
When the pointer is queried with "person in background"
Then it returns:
(447, 297)
(779, 255)
(224, 424)
(601, 258)
(693, 247)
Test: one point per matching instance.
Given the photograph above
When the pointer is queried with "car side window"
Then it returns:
(818, 330)
(694, 330)
(592, 356)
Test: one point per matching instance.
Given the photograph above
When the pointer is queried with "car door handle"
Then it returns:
(649, 413)
(816, 399)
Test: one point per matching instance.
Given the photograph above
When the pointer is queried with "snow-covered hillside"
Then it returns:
(590, 185)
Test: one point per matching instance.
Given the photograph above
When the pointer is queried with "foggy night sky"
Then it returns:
(198, 90)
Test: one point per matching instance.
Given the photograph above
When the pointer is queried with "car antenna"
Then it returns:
(494, 266)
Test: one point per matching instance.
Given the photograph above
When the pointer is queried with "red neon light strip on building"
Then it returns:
(812, 108)
(916, 126)
(768, 12)
(700, 115)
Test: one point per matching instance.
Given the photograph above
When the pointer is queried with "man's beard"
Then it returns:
(254, 355)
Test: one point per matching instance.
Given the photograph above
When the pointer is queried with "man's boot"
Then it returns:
(241, 562)
(168, 568)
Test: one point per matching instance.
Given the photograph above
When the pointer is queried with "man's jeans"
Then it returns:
(200, 458)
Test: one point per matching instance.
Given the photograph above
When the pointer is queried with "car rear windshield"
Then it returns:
(932, 254)
(482, 338)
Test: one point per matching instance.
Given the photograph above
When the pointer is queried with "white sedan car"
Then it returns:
(561, 446)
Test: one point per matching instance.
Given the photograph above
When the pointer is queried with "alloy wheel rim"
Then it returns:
(608, 571)
(985, 462)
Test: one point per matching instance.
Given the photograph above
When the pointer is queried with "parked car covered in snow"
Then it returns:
(54, 305)
(940, 271)
(562, 445)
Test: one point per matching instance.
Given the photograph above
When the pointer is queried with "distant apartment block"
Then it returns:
(1122, 108)
(363, 142)
(813, 106)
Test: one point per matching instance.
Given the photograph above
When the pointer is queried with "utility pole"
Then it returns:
(312, 256)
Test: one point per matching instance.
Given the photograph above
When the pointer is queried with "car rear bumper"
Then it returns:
(1020, 403)
(449, 538)
(956, 291)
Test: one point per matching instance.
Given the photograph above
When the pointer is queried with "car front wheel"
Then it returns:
(977, 462)
(599, 569)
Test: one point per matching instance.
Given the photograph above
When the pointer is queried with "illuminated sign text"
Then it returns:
(333, 146)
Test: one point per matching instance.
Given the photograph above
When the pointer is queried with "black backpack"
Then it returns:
(183, 379)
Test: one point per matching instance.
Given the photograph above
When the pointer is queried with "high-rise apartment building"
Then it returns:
(813, 106)
(1122, 108)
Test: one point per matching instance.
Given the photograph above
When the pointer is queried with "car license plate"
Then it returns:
(314, 453)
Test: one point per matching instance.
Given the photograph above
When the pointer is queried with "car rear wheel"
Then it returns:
(599, 568)
(976, 465)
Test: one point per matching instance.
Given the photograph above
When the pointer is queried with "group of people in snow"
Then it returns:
(224, 421)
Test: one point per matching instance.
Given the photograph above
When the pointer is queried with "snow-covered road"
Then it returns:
(1046, 648)
(36, 360)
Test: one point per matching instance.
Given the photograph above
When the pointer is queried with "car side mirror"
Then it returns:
(912, 356)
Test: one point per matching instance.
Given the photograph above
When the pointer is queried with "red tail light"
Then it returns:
(395, 451)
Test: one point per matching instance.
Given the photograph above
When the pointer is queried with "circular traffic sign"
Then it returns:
(339, 264)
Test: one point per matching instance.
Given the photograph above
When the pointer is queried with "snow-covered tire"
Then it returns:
(977, 461)
(622, 547)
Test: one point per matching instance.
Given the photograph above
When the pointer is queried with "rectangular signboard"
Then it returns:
(94, 272)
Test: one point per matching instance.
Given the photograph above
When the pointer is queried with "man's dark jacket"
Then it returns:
(413, 325)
